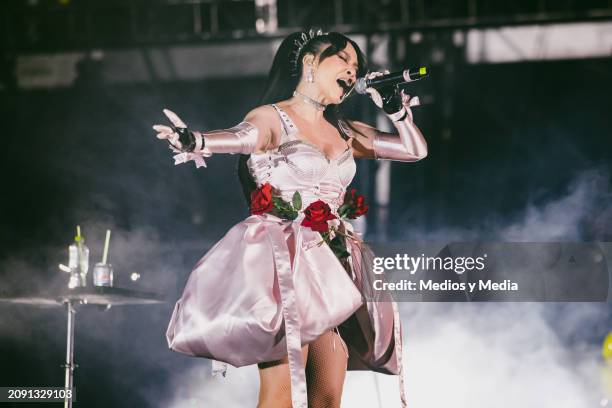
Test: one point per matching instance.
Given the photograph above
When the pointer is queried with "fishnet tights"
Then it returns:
(326, 360)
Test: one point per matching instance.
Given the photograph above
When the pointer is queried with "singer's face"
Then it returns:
(336, 74)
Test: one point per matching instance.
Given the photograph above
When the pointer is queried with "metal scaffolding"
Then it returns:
(59, 25)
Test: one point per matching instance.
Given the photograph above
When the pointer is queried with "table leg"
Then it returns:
(70, 366)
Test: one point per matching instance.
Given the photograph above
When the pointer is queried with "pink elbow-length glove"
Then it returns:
(193, 145)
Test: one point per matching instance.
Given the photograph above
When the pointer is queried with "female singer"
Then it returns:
(286, 287)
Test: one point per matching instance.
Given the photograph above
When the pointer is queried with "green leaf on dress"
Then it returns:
(344, 210)
(297, 201)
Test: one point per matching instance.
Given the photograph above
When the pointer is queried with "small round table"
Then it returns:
(93, 295)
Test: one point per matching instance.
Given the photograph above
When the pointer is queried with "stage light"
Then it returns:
(606, 350)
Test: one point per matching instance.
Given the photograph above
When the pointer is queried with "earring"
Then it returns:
(310, 75)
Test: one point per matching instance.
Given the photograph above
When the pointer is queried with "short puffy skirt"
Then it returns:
(270, 281)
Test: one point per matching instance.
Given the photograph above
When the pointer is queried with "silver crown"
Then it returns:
(301, 42)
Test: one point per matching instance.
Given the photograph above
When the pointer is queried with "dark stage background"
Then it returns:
(520, 134)
(524, 154)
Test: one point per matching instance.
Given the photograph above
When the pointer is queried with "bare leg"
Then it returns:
(275, 382)
(325, 370)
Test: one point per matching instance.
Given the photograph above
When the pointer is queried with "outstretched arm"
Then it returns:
(254, 134)
(408, 144)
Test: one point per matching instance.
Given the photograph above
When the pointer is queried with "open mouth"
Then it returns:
(345, 84)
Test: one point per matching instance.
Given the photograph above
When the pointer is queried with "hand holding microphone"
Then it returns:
(408, 144)
(383, 90)
(390, 79)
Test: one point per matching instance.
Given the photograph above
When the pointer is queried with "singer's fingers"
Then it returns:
(171, 137)
(163, 132)
(372, 92)
(409, 101)
(174, 141)
(173, 117)
(163, 129)
(405, 97)
(374, 74)
(164, 135)
(167, 136)
(415, 101)
(375, 96)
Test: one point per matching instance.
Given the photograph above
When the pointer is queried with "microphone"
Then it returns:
(391, 79)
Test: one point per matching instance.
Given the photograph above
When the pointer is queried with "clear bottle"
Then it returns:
(78, 262)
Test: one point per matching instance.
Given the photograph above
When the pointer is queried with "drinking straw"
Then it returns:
(105, 255)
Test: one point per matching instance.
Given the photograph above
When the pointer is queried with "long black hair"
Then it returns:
(285, 74)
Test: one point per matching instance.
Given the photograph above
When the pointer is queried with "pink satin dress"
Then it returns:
(268, 287)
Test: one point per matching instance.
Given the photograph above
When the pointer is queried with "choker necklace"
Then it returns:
(317, 105)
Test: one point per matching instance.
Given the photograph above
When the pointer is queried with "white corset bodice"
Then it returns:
(298, 165)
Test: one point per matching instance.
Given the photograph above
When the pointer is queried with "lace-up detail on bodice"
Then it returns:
(298, 165)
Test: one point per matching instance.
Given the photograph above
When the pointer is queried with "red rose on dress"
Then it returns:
(354, 205)
(360, 207)
(316, 216)
(261, 200)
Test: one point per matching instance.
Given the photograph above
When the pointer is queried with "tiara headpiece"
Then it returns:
(301, 42)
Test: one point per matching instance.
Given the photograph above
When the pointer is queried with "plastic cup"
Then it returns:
(103, 274)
